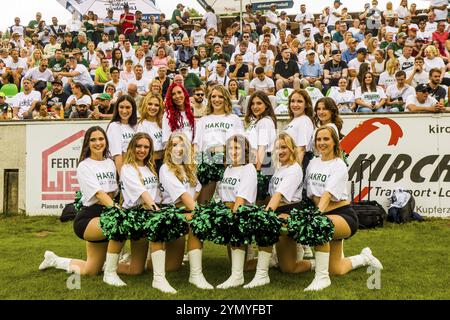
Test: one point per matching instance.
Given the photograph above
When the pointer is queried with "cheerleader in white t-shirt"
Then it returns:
(326, 183)
(180, 186)
(121, 128)
(178, 115)
(96, 174)
(238, 187)
(285, 191)
(213, 130)
(301, 127)
(326, 113)
(151, 111)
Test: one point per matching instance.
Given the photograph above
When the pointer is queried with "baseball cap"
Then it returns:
(2, 94)
(174, 26)
(335, 52)
(104, 96)
(81, 33)
(58, 81)
(401, 35)
(84, 100)
(145, 30)
(183, 67)
(422, 87)
(310, 52)
(413, 27)
(307, 26)
(218, 42)
(327, 35)
(362, 50)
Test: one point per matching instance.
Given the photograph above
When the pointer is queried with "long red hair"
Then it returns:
(174, 114)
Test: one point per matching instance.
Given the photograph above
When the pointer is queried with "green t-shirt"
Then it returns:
(56, 66)
(102, 75)
(176, 13)
(33, 24)
(149, 39)
(398, 49)
(226, 56)
(192, 81)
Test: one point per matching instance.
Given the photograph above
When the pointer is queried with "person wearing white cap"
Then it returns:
(306, 34)
(303, 17)
(82, 110)
(311, 71)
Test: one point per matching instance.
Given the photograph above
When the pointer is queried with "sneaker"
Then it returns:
(49, 260)
(370, 259)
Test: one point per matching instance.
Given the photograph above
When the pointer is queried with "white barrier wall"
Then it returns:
(408, 150)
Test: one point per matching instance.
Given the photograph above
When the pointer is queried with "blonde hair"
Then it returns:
(130, 155)
(433, 49)
(289, 141)
(226, 95)
(144, 110)
(160, 85)
(189, 171)
(391, 66)
(337, 149)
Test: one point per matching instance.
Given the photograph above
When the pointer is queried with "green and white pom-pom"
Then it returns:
(77, 204)
(117, 224)
(139, 217)
(254, 224)
(309, 226)
(166, 224)
(212, 222)
(263, 186)
(210, 169)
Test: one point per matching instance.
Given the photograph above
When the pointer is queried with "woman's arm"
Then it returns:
(104, 198)
(118, 161)
(300, 154)
(237, 203)
(324, 201)
(274, 202)
(147, 199)
(260, 153)
(188, 201)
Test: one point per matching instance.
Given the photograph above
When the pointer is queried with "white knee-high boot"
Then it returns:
(237, 270)
(110, 274)
(365, 258)
(322, 278)
(159, 272)
(51, 260)
(196, 276)
(262, 271)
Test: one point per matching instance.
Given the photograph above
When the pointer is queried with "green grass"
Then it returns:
(415, 257)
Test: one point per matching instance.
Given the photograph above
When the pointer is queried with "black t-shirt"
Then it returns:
(241, 72)
(103, 111)
(335, 68)
(67, 47)
(165, 86)
(438, 93)
(57, 98)
(286, 70)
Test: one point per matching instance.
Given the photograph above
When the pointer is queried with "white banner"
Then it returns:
(409, 151)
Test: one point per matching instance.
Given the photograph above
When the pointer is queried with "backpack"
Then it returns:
(402, 207)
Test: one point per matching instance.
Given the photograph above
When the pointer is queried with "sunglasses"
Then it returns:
(200, 94)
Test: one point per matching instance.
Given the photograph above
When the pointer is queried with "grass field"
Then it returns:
(415, 257)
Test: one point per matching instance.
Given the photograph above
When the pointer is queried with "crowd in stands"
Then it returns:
(379, 60)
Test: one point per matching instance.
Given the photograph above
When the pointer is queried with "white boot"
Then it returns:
(300, 252)
(110, 275)
(196, 275)
(262, 271)
(307, 252)
(51, 260)
(322, 278)
(237, 270)
(159, 272)
(365, 258)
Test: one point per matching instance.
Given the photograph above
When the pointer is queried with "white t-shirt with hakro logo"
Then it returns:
(133, 185)
(301, 129)
(240, 182)
(214, 130)
(119, 136)
(172, 189)
(288, 180)
(94, 176)
(327, 176)
(261, 133)
(154, 131)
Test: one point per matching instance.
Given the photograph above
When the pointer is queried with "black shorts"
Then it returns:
(83, 218)
(287, 208)
(349, 215)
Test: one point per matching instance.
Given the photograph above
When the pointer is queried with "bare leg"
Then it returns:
(287, 257)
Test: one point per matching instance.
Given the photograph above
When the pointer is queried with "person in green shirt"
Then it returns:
(177, 16)
(145, 35)
(191, 80)
(219, 54)
(33, 24)
(397, 46)
(81, 41)
(102, 76)
(57, 63)
(79, 56)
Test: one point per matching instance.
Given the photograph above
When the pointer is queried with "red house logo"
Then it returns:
(61, 169)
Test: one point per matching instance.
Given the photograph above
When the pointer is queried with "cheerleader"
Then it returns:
(121, 128)
(140, 186)
(180, 186)
(213, 130)
(151, 111)
(285, 191)
(178, 116)
(238, 187)
(96, 174)
(326, 183)
(261, 123)
(326, 113)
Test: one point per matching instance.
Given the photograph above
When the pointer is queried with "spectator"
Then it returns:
(261, 83)
(406, 60)
(433, 60)
(435, 89)
(272, 18)
(23, 101)
(68, 45)
(345, 99)
(417, 75)
(103, 108)
(177, 15)
(102, 76)
(141, 83)
(185, 52)
(398, 45)
(333, 16)
(76, 73)
(263, 62)
(369, 97)
(334, 70)
(132, 91)
(57, 96)
(422, 33)
(439, 8)
(190, 80)
(240, 71)
(128, 23)
(354, 64)
(350, 54)
(110, 24)
(5, 109)
(40, 112)
(311, 72)
(441, 35)
(73, 26)
(287, 72)
(51, 47)
(422, 102)
(40, 76)
(164, 79)
(16, 66)
(197, 35)
(373, 18)
(17, 27)
(198, 102)
(82, 109)
(161, 58)
(219, 75)
(398, 93)
(387, 78)
(196, 68)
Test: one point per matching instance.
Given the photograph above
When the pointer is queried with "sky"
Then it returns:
(26, 9)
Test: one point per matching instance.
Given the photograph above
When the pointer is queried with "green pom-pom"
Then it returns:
(166, 224)
(263, 186)
(139, 215)
(117, 224)
(77, 204)
(210, 168)
(212, 222)
(309, 226)
(254, 224)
